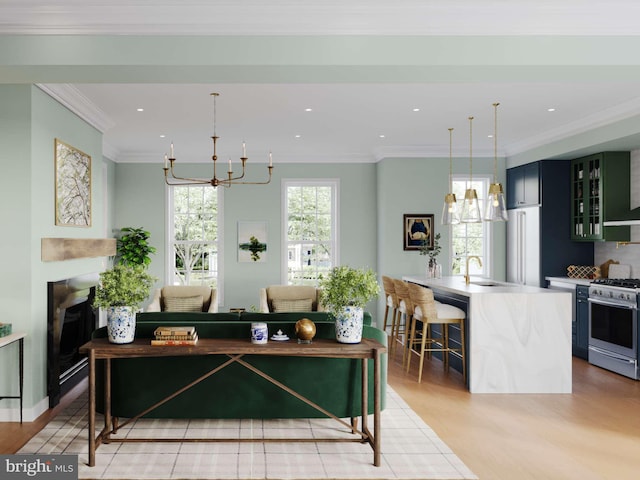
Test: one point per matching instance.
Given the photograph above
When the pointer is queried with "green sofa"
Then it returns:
(235, 391)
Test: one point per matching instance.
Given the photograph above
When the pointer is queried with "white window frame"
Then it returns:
(170, 235)
(334, 183)
(486, 230)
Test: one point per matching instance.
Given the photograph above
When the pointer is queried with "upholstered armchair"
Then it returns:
(184, 298)
(290, 298)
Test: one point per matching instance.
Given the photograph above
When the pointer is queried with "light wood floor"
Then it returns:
(593, 433)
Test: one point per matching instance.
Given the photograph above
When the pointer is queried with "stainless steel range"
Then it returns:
(613, 325)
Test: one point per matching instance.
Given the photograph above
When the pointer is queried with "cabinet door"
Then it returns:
(599, 192)
(581, 339)
(531, 184)
(523, 186)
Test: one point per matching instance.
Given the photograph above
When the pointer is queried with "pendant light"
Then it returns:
(450, 215)
(470, 207)
(495, 208)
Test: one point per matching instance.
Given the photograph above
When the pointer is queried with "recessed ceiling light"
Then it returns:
(381, 136)
(490, 135)
(162, 136)
(308, 109)
(298, 136)
(140, 109)
(416, 109)
(551, 109)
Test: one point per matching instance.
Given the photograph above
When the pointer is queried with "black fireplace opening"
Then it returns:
(70, 321)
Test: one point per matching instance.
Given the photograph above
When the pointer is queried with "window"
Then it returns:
(310, 230)
(194, 235)
(470, 238)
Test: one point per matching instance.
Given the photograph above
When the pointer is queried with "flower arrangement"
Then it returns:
(432, 252)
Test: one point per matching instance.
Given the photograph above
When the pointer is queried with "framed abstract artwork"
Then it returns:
(417, 228)
(252, 241)
(73, 186)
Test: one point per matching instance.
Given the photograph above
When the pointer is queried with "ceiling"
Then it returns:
(351, 118)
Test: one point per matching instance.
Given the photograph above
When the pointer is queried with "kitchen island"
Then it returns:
(518, 337)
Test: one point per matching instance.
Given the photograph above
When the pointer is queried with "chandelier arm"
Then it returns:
(215, 181)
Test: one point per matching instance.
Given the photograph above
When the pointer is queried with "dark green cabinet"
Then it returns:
(580, 325)
(523, 185)
(599, 192)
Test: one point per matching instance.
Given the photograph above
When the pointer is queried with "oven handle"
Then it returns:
(612, 304)
(612, 355)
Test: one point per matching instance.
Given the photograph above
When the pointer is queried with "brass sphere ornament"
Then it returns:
(305, 330)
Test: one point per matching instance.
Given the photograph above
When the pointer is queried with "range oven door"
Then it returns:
(613, 336)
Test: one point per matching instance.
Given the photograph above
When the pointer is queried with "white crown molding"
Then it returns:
(427, 151)
(307, 17)
(110, 151)
(146, 157)
(606, 117)
(74, 100)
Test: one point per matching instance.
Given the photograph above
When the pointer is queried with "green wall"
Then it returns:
(140, 200)
(30, 121)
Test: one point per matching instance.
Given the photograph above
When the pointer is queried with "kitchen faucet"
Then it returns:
(466, 275)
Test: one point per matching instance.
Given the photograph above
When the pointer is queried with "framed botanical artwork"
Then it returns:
(417, 229)
(73, 186)
(252, 241)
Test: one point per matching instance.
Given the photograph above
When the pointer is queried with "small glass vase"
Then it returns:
(434, 269)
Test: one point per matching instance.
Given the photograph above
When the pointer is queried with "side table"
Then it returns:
(7, 340)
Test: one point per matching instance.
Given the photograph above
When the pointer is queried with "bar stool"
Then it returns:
(405, 307)
(427, 311)
(391, 300)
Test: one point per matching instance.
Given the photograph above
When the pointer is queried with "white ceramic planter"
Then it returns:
(349, 325)
(121, 324)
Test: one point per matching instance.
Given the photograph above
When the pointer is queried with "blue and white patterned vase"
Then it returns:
(121, 324)
(349, 325)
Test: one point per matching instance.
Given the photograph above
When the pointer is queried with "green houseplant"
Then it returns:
(121, 291)
(344, 293)
(434, 270)
(133, 247)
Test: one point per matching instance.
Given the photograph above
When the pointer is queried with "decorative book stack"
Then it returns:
(175, 336)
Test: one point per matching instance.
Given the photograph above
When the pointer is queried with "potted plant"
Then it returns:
(121, 291)
(344, 293)
(434, 269)
(133, 247)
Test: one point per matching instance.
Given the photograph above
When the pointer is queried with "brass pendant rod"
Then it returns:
(495, 143)
(470, 152)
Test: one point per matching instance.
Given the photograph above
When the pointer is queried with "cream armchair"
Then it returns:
(290, 298)
(183, 298)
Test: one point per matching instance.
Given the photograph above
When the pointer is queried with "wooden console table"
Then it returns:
(6, 340)
(235, 349)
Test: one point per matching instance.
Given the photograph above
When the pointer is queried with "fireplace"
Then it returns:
(70, 321)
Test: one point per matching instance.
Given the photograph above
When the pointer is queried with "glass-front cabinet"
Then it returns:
(599, 192)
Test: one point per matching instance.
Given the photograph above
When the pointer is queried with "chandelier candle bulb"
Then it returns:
(165, 161)
(244, 150)
(230, 168)
(172, 156)
(270, 160)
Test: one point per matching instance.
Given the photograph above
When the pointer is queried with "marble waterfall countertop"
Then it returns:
(569, 281)
(519, 337)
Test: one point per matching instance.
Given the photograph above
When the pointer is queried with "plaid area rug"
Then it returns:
(410, 449)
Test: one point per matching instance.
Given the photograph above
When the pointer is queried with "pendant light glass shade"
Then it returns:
(496, 208)
(470, 206)
(450, 215)
(496, 205)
